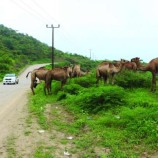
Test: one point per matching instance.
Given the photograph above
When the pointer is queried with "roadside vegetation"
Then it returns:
(18, 50)
(115, 121)
(106, 121)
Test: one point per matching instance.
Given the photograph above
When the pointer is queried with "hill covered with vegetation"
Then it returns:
(18, 50)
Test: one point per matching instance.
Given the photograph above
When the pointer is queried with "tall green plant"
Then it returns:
(96, 99)
(131, 79)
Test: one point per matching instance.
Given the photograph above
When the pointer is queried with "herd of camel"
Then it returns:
(59, 73)
(105, 70)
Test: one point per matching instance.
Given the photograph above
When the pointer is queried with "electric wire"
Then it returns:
(28, 11)
(31, 10)
(44, 11)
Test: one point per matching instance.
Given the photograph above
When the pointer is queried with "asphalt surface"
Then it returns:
(13, 95)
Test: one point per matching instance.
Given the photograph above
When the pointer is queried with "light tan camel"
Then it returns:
(76, 71)
(107, 71)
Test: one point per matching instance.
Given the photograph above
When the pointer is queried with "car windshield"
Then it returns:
(10, 75)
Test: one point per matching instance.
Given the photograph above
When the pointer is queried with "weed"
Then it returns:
(42, 152)
(11, 146)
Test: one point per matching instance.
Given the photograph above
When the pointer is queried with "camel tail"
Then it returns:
(28, 74)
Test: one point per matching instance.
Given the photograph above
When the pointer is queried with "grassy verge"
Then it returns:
(106, 121)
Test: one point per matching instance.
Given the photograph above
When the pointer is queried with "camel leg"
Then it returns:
(112, 78)
(105, 79)
(45, 87)
(63, 82)
(98, 77)
(108, 79)
(48, 88)
(153, 86)
(32, 86)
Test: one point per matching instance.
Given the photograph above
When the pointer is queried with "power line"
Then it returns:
(45, 17)
(44, 11)
(52, 27)
(32, 9)
(28, 11)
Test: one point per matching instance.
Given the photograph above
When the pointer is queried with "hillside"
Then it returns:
(18, 50)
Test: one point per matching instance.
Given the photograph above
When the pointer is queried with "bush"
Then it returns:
(86, 81)
(130, 79)
(61, 96)
(56, 86)
(72, 89)
(95, 99)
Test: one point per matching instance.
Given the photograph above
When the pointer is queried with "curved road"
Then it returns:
(12, 99)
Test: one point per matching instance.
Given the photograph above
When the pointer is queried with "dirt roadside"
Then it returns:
(20, 135)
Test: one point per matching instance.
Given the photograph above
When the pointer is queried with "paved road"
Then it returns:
(10, 95)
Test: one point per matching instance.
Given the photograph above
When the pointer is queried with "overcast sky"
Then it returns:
(102, 29)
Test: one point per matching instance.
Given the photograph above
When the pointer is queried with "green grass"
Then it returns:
(125, 121)
(10, 145)
(43, 152)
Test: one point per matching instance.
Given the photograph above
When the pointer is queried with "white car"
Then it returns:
(10, 79)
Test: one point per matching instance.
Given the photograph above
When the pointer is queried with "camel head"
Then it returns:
(137, 60)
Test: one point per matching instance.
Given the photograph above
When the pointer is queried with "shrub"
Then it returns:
(130, 79)
(61, 96)
(72, 89)
(95, 99)
(86, 81)
(56, 86)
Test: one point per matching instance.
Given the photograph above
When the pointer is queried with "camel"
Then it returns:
(40, 74)
(152, 66)
(137, 61)
(107, 70)
(129, 65)
(76, 71)
(58, 74)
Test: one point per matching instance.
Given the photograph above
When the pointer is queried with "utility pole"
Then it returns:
(52, 27)
(90, 53)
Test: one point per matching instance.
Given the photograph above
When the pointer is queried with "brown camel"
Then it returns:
(129, 65)
(76, 71)
(107, 70)
(40, 74)
(137, 60)
(58, 74)
(152, 66)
